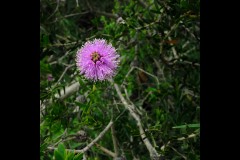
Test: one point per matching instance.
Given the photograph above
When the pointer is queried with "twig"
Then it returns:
(159, 68)
(68, 91)
(120, 115)
(188, 30)
(145, 98)
(69, 15)
(64, 93)
(60, 44)
(54, 10)
(74, 14)
(153, 153)
(114, 139)
(105, 150)
(110, 15)
(171, 30)
(178, 153)
(173, 49)
(148, 74)
(134, 67)
(189, 136)
(147, 25)
(64, 73)
(77, 3)
(143, 3)
(124, 80)
(89, 6)
(63, 140)
(90, 144)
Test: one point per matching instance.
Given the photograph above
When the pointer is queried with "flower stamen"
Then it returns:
(95, 57)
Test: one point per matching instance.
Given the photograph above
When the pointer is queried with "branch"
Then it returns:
(90, 144)
(148, 74)
(173, 49)
(105, 150)
(110, 15)
(134, 67)
(159, 69)
(143, 3)
(65, 70)
(69, 90)
(54, 10)
(75, 14)
(132, 109)
(184, 157)
(114, 139)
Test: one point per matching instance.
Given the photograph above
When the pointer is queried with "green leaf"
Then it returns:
(58, 156)
(188, 125)
(70, 156)
(61, 150)
(78, 156)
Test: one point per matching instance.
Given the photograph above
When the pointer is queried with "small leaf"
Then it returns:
(61, 149)
(58, 156)
(70, 156)
(78, 156)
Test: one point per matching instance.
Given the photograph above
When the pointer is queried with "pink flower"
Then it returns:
(97, 60)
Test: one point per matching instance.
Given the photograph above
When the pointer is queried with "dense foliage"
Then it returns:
(159, 74)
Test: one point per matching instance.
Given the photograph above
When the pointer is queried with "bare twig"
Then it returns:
(148, 74)
(64, 73)
(68, 91)
(105, 150)
(159, 68)
(132, 109)
(189, 136)
(63, 140)
(110, 15)
(63, 44)
(69, 15)
(65, 70)
(98, 137)
(90, 144)
(124, 80)
(184, 157)
(77, 3)
(188, 30)
(134, 67)
(89, 6)
(55, 9)
(114, 139)
(171, 30)
(74, 14)
(143, 3)
(173, 49)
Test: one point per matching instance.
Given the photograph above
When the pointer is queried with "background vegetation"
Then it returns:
(158, 41)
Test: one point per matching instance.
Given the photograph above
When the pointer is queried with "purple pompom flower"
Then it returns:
(97, 60)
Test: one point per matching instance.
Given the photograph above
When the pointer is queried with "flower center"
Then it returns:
(95, 56)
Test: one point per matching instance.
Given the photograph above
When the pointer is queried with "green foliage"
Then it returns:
(61, 154)
(158, 42)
